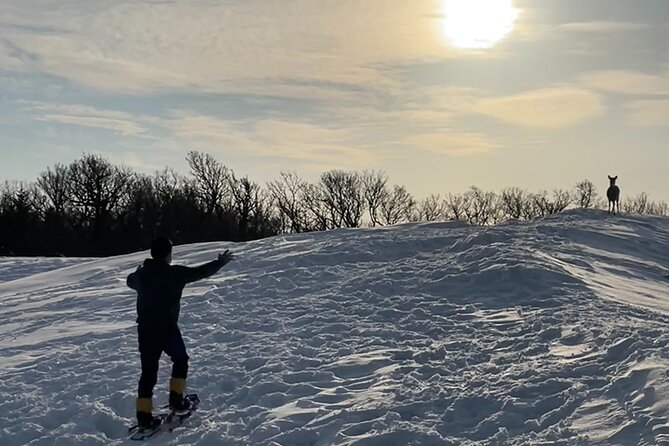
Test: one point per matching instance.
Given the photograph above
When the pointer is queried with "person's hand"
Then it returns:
(225, 257)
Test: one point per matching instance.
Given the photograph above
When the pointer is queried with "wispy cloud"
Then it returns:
(603, 27)
(333, 145)
(124, 124)
(455, 144)
(210, 46)
(9, 60)
(555, 107)
(648, 113)
(305, 142)
(627, 82)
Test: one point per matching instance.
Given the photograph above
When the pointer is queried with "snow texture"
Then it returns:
(551, 332)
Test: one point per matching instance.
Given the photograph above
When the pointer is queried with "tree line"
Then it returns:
(92, 207)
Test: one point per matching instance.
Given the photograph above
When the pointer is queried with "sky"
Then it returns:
(440, 95)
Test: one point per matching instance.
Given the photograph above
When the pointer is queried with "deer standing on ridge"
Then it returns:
(613, 194)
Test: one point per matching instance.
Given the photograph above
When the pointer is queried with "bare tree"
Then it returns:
(482, 208)
(343, 198)
(455, 206)
(397, 206)
(585, 194)
(141, 212)
(375, 189)
(167, 184)
(318, 215)
(638, 204)
(22, 198)
(432, 208)
(542, 203)
(180, 205)
(263, 220)
(659, 208)
(532, 207)
(546, 205)
(212, 180)
(97, 189)
(287, 195)
(55, 184)
(513, 202)
(562, 199)
(21, 212)
(248, 203)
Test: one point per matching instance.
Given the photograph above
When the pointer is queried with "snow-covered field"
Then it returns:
(12, 268)
(553, 332)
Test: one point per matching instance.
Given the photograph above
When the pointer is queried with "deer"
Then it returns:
(613, 194)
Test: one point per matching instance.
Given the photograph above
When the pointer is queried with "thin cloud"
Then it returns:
(122, 123)
(417, 107)
(120, 126)
(550, 108)
(9, 60)
(603, 27)
(455, 144)
(626, 82)
(304, 142)
(208, 46)
(648, 113)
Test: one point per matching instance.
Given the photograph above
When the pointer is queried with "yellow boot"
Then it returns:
(177, 402)
(145, 419)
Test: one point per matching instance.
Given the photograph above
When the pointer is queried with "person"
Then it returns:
(159, 286)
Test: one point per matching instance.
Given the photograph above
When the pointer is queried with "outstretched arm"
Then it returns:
(193, 274)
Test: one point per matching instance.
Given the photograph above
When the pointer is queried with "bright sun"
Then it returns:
(478, 23)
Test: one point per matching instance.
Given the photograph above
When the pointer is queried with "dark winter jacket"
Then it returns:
(159, 286)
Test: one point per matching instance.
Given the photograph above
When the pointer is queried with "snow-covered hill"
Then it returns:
(550, 332)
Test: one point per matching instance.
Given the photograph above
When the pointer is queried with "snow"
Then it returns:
(526, 333)
(12, 268)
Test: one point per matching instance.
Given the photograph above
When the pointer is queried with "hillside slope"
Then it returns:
(548, 332)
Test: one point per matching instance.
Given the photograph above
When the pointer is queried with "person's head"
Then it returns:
(161, 249)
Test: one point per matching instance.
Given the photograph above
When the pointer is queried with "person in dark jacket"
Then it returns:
(159, 286)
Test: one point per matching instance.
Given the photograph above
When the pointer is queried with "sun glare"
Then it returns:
(478, 23)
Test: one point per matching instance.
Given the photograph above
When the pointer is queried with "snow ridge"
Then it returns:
(548, 332)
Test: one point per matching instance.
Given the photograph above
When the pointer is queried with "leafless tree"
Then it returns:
(659, 208)
(533, 205)
(638, 204)
(141, 212)
(264, 221)
(343, 198)
(432, 208)
(456, 206)
(397, 206)
(55, 184)
(22, 198)
(249, 203)
(513, 202)
(318, 215)
(585, 194)
(545, 205)
(562, 199)
(482, 208)
(179, 199)
(212, 180)
(287, 196)
(375, 189)
(167, 183)
(97, 188)
(21, 213)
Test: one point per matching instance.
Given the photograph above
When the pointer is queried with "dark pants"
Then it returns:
(152, 343)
